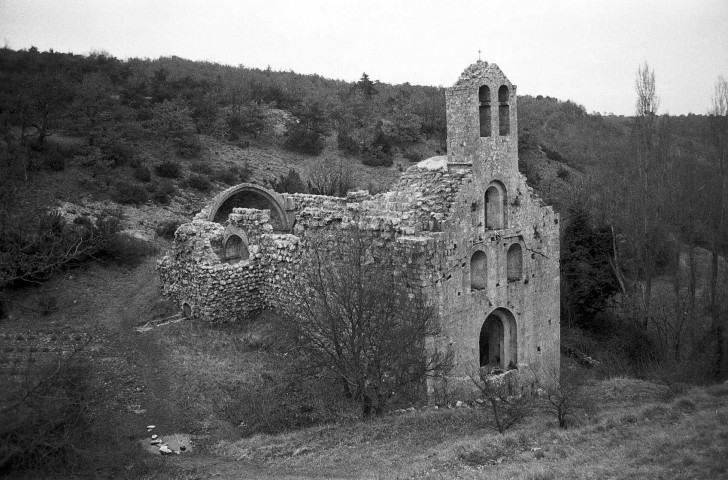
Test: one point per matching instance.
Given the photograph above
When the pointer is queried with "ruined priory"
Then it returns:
(467, 232)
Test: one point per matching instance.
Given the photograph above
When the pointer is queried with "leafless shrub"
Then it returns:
(566, 394)
(330, 177)
(508, 408)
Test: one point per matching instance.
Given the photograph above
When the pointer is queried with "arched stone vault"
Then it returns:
(248, 195)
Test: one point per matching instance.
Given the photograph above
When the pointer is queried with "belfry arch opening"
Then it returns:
(478, 271)
(504, 112)
(495, 211)
(484, 110)
(498, 342)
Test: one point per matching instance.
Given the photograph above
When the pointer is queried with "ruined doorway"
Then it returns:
(498, 340)
(491, 342)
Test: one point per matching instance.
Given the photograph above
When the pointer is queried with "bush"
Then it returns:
(563, 173)
(189, 146)
(347, 143)
(413, 155)
(168, 169)
(129, 194)
(54, 161)
(305, 141)
(330, 177)
(202, 168)
(376, 158)
(290, 183)
(199, 183)
(49, 429)
(128, 250)
(245, 173)
(163, 192)
(553, 154)
(167, 228)
(228, 176)
(142, 173)
(507, 409)
(118, 153)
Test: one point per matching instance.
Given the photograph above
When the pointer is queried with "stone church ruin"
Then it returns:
(468, 234)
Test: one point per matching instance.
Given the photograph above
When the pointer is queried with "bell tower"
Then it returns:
(482, 121)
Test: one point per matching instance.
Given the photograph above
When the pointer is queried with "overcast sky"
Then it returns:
(586, 51)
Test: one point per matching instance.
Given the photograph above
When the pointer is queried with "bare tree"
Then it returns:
(636, 198)
(718, 243)
(34, 245)
(330, 177)
(508, 408)
(357, 325)
(565, 394)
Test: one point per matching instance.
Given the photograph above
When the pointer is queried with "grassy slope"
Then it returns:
(637, 434)
(187, 376)
(220, 382)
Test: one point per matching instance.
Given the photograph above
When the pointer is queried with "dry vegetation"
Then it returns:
(233, 388)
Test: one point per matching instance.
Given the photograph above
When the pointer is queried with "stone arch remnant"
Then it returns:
(247, 195)
(498, 342)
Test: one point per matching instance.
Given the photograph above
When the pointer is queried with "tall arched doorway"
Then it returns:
(498, 342)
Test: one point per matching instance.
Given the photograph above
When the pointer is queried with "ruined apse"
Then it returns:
(468, 234)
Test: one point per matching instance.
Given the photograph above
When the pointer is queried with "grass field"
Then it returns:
(223, 383)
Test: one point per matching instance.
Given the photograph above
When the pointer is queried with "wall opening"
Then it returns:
(484, 110)
(478, 271)
(504, 112)
(514, 262)
(251, 199)
(495, 210)
(235, 249)
(498, 342)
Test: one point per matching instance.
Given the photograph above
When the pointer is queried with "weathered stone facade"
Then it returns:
(467, 232)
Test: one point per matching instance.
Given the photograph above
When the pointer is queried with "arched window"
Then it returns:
(235, 249)
(504, 113)
(478, 271)
(495, 207)
(514, 262)
(484, 110)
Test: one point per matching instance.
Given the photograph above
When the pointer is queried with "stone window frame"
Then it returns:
(244, 254)
(479, 283)
(484, 115)
(504, 111)
(497, 208)
(514, 265)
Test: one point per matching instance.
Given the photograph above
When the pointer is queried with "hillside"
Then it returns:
(219, 385)
(101, 160)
